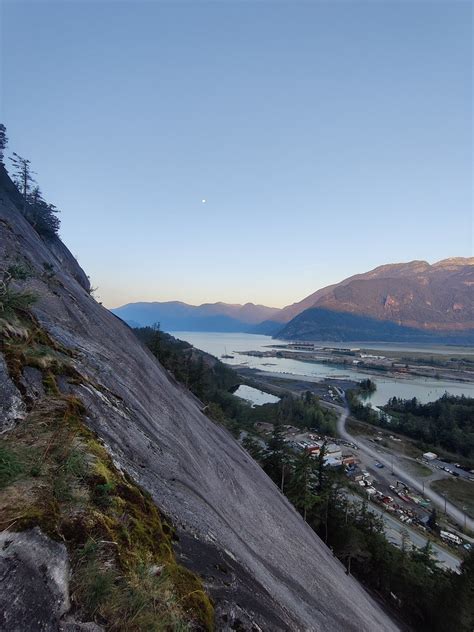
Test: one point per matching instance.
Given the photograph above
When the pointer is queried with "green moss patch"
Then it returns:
(56, 474)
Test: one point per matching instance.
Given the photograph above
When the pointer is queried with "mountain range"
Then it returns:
(414, 301)
(179, 316)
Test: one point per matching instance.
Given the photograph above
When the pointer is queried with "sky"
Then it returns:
(326, 138)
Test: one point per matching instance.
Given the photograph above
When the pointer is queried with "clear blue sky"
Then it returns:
(326, 137)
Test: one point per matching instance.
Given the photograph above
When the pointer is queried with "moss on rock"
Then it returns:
(125, 574)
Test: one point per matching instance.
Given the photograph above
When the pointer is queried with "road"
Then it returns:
(393, 531)
(437, 499)
(461, 473)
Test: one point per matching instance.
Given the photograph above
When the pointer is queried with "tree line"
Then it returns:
(42, 215)
(447, 422)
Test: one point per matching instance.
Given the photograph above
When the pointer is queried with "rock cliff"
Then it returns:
(264, 567)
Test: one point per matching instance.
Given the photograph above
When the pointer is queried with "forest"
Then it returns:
(447, 422)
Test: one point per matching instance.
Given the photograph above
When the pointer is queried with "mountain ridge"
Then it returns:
(432, 298)
(417, 295)
(181, 316)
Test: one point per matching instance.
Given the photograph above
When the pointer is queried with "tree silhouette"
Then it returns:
(23, 178)
(42, 215)
(3, 141)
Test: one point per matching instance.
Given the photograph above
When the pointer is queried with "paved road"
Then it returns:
(459, 471)
(393, 531)
(436, 498)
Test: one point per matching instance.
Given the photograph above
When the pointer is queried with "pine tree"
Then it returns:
(23, 178)
(253, 448)
(41, 215)
(302, 487)
(3, 142)
(354, 547)
(275, 458)
(426, 555)
(433, 520)
(463, 596)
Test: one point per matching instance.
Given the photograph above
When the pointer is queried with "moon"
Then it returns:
(203, 201)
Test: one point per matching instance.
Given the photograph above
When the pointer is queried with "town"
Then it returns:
(372, 482)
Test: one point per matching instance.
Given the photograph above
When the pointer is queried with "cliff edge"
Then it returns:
(264, 567)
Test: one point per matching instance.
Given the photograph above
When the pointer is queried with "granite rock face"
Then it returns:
(34, 573)
(12, 407)
(34, 577)
(265, 567)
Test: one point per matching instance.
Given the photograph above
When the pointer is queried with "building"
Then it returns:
(430, 456)
(334, 451)
(332, 462)
(349, 459)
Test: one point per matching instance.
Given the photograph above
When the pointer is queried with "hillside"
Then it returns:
(400, 302)
(74, 377)
(178, 316)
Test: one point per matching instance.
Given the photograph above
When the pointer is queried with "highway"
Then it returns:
(436, 498)
(393, 531)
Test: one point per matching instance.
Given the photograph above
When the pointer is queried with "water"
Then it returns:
(255, 396)
(424, 389)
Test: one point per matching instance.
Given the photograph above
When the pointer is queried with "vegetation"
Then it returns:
(11, 300)
(40, 214)
(415, 467)
(447, 423)
(361, 411)
(212, 381)
(3, 141)
(56, 474)
(367, 387)
(458, 491)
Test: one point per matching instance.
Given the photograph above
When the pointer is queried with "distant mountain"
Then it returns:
(412, 301)
(178, 316)
(397, 302)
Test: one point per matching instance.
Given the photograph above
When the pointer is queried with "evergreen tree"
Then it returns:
(301, 490)
(463, 596)
(354, 547)
(426, 556)
(41, 215)
(275, 458)
(321, 467)
(253, 448)
(23, 178)
(3, 142)
(433, 520)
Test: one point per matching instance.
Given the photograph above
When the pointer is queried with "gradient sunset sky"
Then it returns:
(326, 137)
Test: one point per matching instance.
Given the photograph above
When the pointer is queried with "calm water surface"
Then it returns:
(255, 396)
(424, 389)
